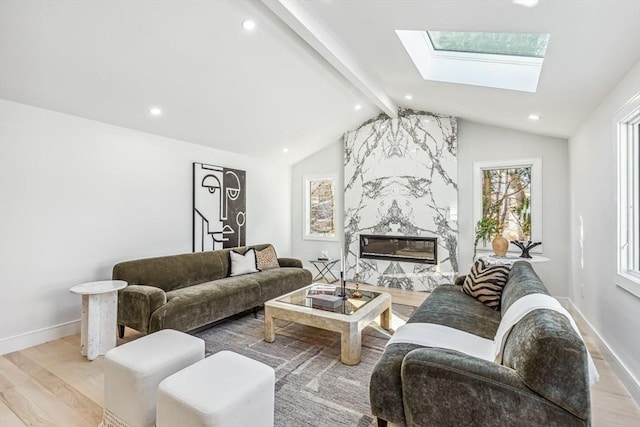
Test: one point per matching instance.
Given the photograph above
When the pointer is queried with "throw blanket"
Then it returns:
(526, 305)
(434, 335)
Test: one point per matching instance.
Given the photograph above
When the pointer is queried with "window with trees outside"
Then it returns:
(319, 208)
(507, 194)
(628, 139)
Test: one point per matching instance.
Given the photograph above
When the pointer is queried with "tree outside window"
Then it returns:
(320, 203)
(506, 198)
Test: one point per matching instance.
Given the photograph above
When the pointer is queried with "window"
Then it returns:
(319, 208)
(628, 138)
(501, 60)
(515, 44)
(510, 193)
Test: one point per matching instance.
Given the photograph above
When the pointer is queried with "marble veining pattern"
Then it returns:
(400, 179)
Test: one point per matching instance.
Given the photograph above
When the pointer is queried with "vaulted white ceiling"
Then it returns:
(293, 81)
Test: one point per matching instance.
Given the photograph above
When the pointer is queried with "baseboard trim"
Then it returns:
(39, 336)
(628, 380)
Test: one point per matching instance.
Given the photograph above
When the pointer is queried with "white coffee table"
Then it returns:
(99, 316)
(349, 319)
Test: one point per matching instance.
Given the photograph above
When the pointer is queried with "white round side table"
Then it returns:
(99, 316)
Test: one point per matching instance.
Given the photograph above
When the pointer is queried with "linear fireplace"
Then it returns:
(417, 249)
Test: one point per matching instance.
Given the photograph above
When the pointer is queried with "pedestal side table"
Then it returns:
(99, 316)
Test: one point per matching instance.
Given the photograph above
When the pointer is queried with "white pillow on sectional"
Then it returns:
(243, 264)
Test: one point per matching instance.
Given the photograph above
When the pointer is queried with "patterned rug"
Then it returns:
(312, 387)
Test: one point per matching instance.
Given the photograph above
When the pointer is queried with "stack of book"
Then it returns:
(321, 289)
(324, 297)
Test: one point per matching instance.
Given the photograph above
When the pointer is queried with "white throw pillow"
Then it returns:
(243, 264)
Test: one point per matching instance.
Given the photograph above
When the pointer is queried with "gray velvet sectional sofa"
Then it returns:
(542, 381)
(188, 291)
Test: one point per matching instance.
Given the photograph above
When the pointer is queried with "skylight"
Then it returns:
(516, 44)
(501, 60)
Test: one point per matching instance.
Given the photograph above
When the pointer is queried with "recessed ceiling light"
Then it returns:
(357, 107)
(248, 24)
(534, 117)
(285, 150)
(526, 3)
(408, 96)
(155, 111)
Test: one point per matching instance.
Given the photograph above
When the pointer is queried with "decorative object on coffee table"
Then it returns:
(525, 246)
(356, 293)
(343, 287)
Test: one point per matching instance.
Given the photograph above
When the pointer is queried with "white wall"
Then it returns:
(328, 161)
(479, 142)
(613, 312)
(77, 196)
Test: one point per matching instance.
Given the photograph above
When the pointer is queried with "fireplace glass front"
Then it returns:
(399, 248)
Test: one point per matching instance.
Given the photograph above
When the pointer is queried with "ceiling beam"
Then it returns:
(316, 35)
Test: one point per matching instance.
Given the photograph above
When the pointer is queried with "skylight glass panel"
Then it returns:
(510, 61)
(515, 44)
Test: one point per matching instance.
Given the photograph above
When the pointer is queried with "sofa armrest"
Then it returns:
(289, 262)
(136, 303)
(445, 387)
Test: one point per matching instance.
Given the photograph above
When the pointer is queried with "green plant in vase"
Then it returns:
(486, 229)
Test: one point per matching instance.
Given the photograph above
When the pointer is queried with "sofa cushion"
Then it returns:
(198, 305)
(243, 264)
(449, 307)
(279, 281)
(485, 282)
(267, 259)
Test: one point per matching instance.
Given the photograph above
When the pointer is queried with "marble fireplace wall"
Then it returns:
(400, 179)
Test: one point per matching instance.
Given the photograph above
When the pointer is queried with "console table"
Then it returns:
(99, 316)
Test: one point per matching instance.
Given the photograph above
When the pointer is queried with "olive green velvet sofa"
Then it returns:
(543, 379)
(187, 291)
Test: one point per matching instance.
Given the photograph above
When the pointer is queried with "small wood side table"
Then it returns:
(99, 316)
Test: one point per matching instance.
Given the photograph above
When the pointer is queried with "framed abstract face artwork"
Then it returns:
(219, 207)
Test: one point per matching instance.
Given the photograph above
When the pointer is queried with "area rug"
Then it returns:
(312, 387)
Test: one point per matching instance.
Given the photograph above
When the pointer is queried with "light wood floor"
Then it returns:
(53, 385)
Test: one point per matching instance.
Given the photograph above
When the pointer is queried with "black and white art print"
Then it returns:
(219, 207)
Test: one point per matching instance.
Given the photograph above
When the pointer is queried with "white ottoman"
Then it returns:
(223, 390)
(133, 371)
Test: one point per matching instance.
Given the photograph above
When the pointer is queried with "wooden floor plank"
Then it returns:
(73, 368)
(33, 401)
(7, 417)
(78, 402)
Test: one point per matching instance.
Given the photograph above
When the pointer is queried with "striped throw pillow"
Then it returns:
(485, 282)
